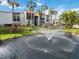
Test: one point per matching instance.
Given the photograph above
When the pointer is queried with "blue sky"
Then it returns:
(57, 4)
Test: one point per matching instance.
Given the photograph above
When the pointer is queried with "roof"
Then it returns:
(10, 12)
(28, 12)
(41, 14)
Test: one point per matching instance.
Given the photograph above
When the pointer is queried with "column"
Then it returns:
(25, 23)
(39, 20)
(45, 18)
(50, 18)
(31, 21)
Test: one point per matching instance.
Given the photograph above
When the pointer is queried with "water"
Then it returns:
(62, 46)
(48, 33)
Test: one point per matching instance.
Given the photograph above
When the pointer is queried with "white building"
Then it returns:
(5, 18)
(8, 18)
(24, 18)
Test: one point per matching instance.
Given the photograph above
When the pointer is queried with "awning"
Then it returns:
(30, 12)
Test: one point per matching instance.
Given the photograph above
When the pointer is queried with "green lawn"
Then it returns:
(72, 30)
(5, 32)
(8, 36)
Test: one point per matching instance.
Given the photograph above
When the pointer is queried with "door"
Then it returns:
(36, 20)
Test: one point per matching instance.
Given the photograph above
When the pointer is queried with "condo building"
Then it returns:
(25, 18)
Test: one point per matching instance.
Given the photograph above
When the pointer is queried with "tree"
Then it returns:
(13, 4)
(77, 20)
(31, 5)
(70, 18)
(52, 12)
(39, 11)
(43, 8)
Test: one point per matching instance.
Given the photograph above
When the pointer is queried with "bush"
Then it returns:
(48, 25)
(72, 30)
(8, 25)
(70, 18)
(6, 33)
(5, 30)
(68, 26)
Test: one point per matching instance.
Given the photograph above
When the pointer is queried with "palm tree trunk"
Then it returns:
(12, 14)
(31, 18)
(50, 18)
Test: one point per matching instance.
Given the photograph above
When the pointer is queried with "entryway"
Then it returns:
(36, 20)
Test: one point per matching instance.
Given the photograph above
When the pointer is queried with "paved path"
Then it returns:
(38, 47)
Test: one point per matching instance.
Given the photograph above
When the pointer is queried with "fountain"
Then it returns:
(48, 33)
(60, 39)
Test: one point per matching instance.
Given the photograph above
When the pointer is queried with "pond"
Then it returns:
(61, 46)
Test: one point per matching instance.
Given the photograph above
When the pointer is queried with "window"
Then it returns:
(29, 16)
(14, 19)
(16, 16)
(42, 17)
(18, 19)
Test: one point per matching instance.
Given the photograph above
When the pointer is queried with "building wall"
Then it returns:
(22, 19)
(5, 18)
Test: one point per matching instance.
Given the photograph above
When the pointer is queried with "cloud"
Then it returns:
(75, 9)
(20, 7)
(61, 9)
(39, 4)
(4, 3)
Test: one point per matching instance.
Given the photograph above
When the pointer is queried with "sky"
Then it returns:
(57, 4)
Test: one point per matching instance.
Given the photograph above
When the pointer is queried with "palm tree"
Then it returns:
(43, 8)
(31, 5)
(39, 11)
(13, 4)
(52, 12)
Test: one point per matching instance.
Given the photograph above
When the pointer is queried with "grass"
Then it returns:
(72, 30)
(5, 32)
(9, 36)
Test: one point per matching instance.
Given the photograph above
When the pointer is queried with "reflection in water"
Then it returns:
(62, 46)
